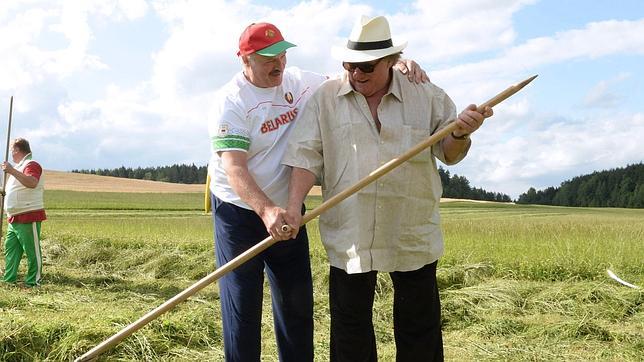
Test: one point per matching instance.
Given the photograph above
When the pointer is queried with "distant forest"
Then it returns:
(454, 186)
(181, 174)
(620, 187)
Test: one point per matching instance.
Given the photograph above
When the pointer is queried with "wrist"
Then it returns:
(264, 210)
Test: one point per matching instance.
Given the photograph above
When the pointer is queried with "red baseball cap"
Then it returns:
(264, 39)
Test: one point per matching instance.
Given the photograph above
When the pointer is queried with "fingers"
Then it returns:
(288, 232)
(417, 76)
(488, 112)
(281, 232)
(293, 231)
(404, 68)
(471, 119)
(273, 218)
(282, 225)
(293, 220)
(285, 232)
(414, 72)
(424, 77)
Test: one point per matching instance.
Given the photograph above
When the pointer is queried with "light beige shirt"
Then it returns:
(392, 224)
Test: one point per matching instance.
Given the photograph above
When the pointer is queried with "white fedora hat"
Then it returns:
(370, 39)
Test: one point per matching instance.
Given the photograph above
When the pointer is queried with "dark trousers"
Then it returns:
(241, 291)
(417, 327)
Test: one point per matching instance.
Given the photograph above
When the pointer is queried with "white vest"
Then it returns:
(21, 199)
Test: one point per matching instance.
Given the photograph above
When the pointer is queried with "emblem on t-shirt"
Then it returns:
(223, 129)
(289, 97)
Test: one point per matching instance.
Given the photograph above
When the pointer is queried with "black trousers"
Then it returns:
(417, 327)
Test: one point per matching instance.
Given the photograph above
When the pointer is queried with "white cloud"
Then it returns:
(444, 29)
(602, 94)
(31, 51)
(595, 40)
(508, 161)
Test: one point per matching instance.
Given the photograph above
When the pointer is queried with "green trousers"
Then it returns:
(23, 238)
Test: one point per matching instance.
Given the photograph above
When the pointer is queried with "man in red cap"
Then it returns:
(248, 126)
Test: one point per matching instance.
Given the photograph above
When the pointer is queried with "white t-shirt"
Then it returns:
(257, 121)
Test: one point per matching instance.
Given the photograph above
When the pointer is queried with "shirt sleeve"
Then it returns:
(443, 113)
(314, 79)
(228, 128)
(308, 79)
(33, 169)
(304, 148)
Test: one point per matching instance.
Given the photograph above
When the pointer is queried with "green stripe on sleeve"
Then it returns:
(230, 142)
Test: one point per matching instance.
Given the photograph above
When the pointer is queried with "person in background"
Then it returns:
(25, 209)
(350, 127)
(248, 124)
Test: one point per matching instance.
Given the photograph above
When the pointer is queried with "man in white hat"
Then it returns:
(248, 125)
(350, 127)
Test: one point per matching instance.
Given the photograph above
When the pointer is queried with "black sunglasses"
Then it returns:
(365, 67)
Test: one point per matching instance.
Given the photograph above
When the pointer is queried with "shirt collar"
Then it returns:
(345, 87)
(24, 159)
(394, 87)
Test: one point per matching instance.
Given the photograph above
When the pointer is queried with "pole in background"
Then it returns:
(6, 158)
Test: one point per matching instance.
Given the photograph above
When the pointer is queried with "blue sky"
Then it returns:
(105, 83)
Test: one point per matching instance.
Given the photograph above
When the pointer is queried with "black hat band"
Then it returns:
(370, 45)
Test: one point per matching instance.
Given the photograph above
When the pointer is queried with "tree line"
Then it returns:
(454, 186)
(183, 174)
(458, 187)
(619, 187)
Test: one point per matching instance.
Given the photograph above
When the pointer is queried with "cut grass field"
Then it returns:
(516, 282)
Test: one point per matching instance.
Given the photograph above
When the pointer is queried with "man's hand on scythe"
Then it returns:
(273, 218)
(470, 120)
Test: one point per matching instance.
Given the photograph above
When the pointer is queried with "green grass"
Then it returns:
(75, 200)
(517, 283)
